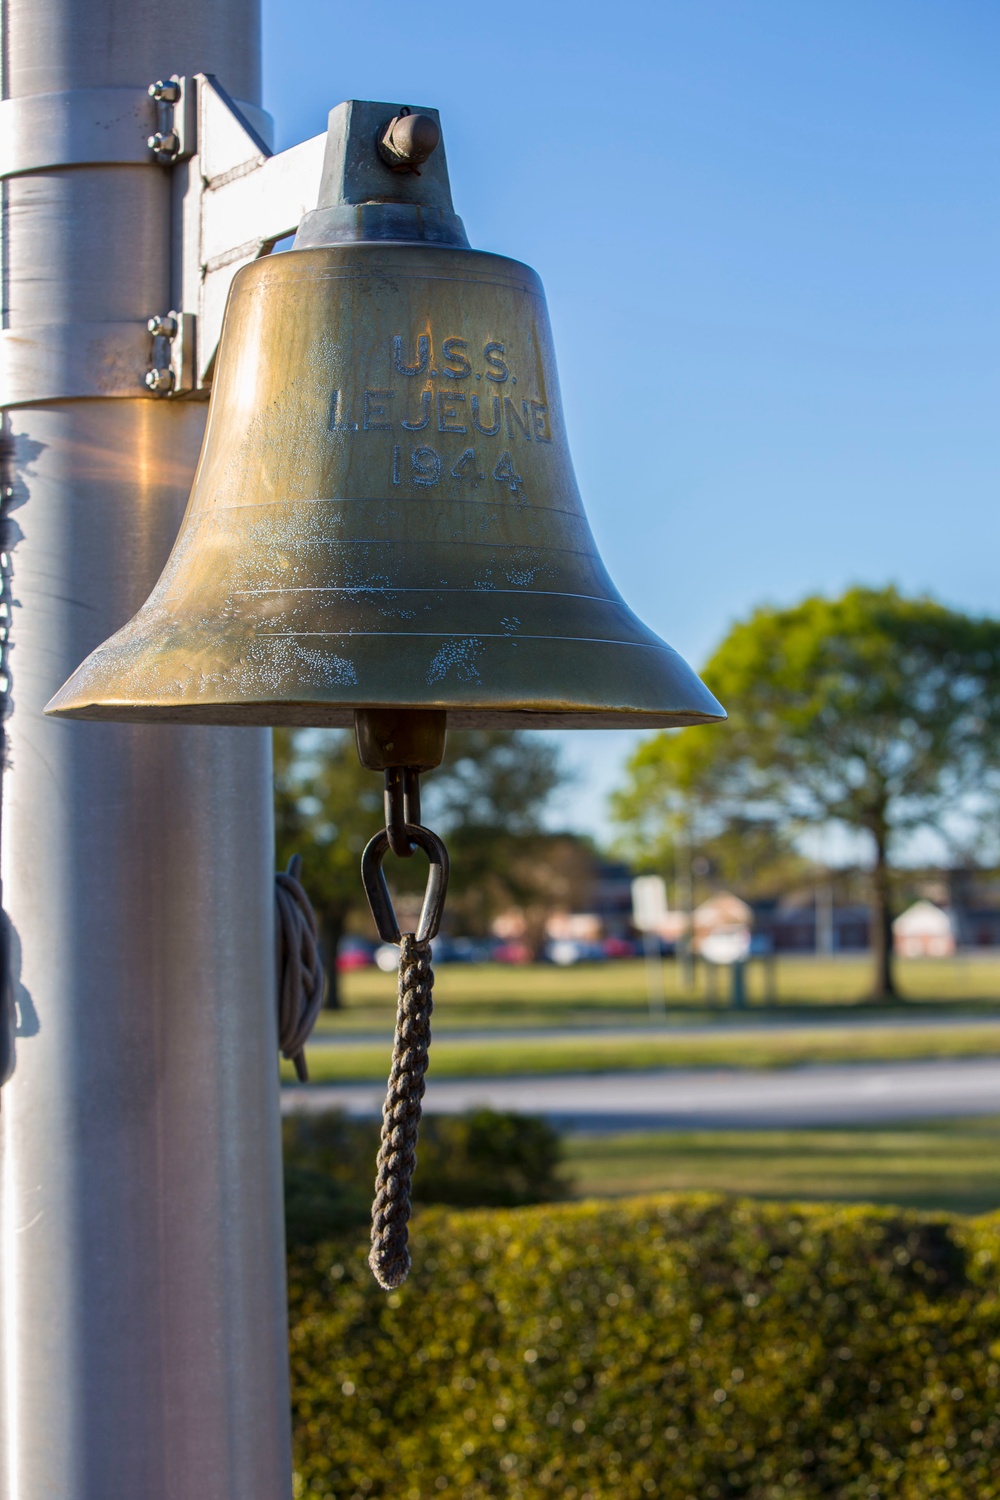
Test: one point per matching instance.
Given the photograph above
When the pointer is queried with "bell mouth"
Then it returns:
(327, 716)
(161, 669)
(623, 687)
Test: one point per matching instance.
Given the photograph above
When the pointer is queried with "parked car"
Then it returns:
(459, 950)
(618, 947)
(354, 953)
(566, 951)
(511, 953)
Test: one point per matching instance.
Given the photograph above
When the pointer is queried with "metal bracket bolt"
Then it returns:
(160, 382)
(165, 91)
(167, 142)
(171, 363)
(165, 147)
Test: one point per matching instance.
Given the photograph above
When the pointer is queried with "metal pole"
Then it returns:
(689, 957)
(654, 976)
(142, 1317)
(825, 918)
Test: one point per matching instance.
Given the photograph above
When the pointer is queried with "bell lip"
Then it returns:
(303, 714)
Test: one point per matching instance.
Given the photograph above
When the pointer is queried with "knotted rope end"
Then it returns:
(390, 1271)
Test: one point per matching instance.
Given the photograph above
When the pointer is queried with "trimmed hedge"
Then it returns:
(686, 1347)
(484, 1158)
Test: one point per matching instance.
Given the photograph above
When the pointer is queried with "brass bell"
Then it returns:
(385, 514)
(385, 529)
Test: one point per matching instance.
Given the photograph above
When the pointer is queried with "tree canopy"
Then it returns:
(678, 803)
(876, 711)
(489, 799)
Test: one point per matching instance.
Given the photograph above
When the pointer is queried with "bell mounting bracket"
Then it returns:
(233, 200)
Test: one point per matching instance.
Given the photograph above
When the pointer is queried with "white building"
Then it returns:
(923, 931)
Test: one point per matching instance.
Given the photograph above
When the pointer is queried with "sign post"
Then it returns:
(649, 907)
(729, 947)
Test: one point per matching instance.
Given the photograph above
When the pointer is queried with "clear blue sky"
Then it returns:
(769, 232)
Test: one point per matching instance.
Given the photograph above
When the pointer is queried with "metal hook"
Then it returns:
(402, 806)
(377, 890)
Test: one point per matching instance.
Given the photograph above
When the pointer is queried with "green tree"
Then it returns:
(679, 805)
(488, 799)
(874, 711)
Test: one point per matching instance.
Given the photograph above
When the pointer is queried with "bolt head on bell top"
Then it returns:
(385, 514)
(408, 140)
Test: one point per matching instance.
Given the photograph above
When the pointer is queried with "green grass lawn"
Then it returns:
(954, 1166)
(468, 996)
(780, 1048)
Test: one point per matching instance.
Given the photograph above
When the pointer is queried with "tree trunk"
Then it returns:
(331, 930)
(880, 921)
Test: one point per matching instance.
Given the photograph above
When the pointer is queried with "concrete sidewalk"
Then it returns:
(685, 1099)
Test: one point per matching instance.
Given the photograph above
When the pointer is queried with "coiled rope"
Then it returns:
(300, 968)
(397, 1157)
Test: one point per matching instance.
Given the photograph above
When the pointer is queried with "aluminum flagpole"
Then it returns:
(143, 1349)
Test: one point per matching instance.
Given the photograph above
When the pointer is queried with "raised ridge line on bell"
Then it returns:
(204, 517)
(460, 635)
(434, 588)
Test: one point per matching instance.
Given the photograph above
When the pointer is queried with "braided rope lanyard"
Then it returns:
(397, 1156)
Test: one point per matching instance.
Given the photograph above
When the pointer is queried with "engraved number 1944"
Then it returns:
(426, 466)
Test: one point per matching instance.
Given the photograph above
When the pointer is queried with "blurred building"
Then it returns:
(923, 930)
(611, 897)
(972, 899)
(962, 910)
(792, 923)
(574, 927)
(722, 912)
(593, 903)
(601, 909)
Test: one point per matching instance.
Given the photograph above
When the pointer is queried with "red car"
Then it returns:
(511, 953)
(616, 947)
(353, 954)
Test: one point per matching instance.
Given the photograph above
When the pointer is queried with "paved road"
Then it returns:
(848, 1094)
(725, 1026)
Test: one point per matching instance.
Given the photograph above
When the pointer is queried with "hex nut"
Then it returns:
(165, 91)
(160, 382)
(163, 326)
(164, 144)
